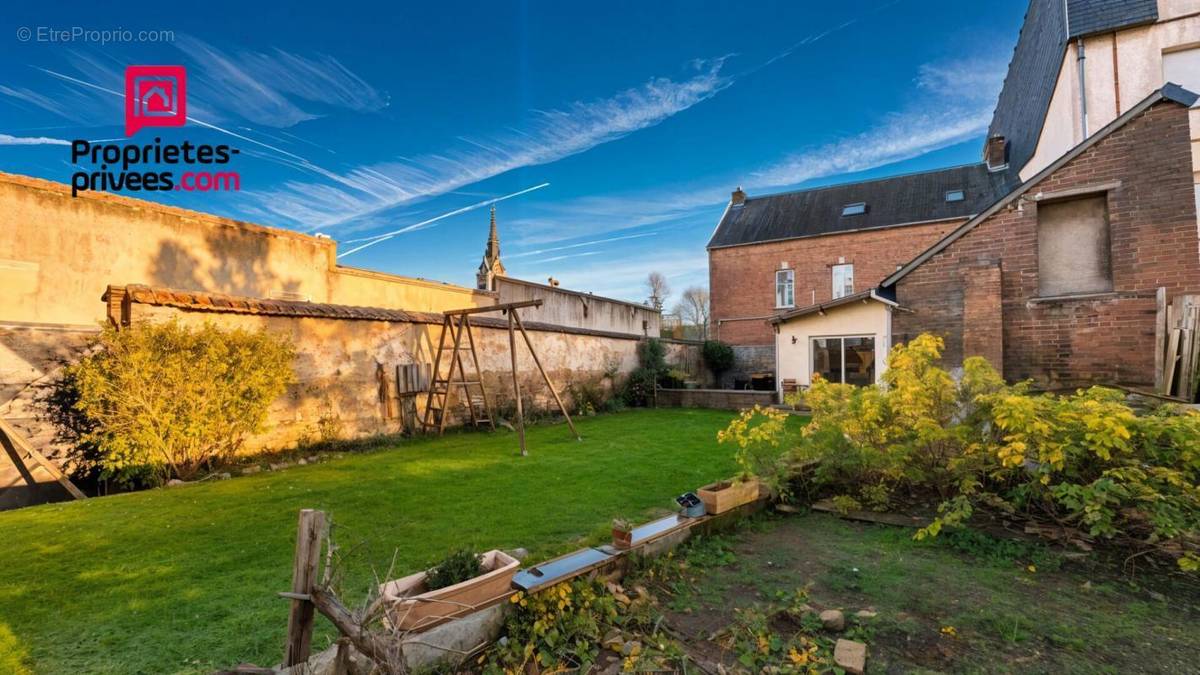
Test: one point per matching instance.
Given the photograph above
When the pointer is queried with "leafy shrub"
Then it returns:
(652, 367)
(553, 630)
(588, 395)
(718, 356)
(758, 433)
(457, 567)
(674, 378)
(1084, 460)
(164, 400)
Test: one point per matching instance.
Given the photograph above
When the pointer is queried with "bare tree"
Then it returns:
(693, 309)
(659, 289)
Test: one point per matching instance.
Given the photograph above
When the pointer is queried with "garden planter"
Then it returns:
(413, 608)
(725, 495)
(622, 538)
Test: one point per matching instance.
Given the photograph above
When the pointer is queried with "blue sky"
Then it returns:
(356, 120)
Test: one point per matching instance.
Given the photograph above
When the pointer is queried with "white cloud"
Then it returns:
(6, 139)
(259, 87)
(548, 136)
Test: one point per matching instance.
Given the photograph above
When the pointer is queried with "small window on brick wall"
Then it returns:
(843, 280)
(785, 283)
(1074, 256)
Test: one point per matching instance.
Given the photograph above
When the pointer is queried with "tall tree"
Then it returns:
(659, 289)
(693, 309)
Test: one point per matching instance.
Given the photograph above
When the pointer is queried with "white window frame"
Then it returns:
(812, 352)
(785, 289)
(839, 289)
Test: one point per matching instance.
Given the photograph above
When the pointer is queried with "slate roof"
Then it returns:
(897, 200)
(1089, 17)
(1033, 71)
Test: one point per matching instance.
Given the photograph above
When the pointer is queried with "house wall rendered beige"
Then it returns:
(859, 319)
(1120, 69)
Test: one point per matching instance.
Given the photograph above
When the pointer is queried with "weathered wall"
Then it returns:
(59, 253)
(1145, 171)
(337, 361)
(742, 278)
(584, 310)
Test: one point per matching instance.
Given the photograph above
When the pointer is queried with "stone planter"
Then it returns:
(411, 607)
(726, 495)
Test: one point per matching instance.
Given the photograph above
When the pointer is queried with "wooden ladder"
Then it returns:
(438, 400)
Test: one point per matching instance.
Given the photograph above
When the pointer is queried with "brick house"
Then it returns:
(1089, 209)
(777, 253)
(1057, 281)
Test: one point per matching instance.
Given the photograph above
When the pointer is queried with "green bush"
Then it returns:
(1084, 460)
(457, 567)
(652, 368)
(718, 356)
(165, 400)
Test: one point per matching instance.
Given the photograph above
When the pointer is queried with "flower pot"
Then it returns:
(411, 607)
(725, 495)
(622, 538)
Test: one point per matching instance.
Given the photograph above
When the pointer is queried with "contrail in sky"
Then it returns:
(371, 241)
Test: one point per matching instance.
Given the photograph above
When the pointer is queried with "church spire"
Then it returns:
(491, 267)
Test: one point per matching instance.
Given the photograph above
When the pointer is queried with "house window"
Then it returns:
(1182, 67)
(955, 195)
(854, 209)
(1074, 256)
(785, 283)
(850, 360)
(843, 280)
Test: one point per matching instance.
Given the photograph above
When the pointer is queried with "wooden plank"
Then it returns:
(21, 444)
(512, 348)
(528, 343)
(494, 308)
(1160, 337)
(1184, 381)
(309, 536)
(1170, 362)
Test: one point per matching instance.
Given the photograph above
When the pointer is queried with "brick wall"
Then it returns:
(742, 278)
(722, 399)
(1066, 342)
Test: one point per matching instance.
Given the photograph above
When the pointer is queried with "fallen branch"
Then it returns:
(384, 650)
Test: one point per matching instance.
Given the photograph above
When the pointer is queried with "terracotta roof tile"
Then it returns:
(217, 302)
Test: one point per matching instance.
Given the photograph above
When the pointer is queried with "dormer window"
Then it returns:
(857, 208)
(955, 195)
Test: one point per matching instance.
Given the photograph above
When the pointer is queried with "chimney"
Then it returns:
(996, 153)
(738, 198)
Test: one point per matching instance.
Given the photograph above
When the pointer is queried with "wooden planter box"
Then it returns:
(726, 495)
(410, 607)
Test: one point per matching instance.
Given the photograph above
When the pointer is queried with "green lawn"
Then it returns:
(184, 579)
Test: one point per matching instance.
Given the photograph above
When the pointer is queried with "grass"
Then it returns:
(184, 579)
(1013, 607)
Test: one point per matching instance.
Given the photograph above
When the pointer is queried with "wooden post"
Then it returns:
(512, 348)
(309, 536)
(1160, 338)
(538, 362)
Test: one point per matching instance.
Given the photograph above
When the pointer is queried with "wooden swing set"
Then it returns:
(455, 324)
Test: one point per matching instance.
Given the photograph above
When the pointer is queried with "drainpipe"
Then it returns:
(1079, 59)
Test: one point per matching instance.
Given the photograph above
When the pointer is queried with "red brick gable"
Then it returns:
(1144, 167)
